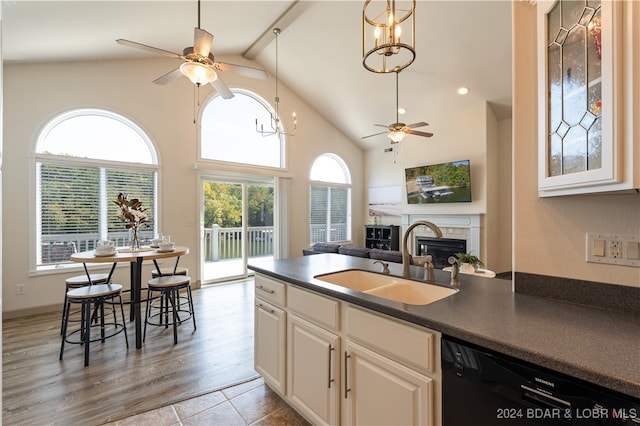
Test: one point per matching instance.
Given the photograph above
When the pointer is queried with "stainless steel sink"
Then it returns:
(388, 286)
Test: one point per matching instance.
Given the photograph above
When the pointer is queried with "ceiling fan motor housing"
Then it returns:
(190, 55)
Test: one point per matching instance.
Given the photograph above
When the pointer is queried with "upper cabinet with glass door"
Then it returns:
(586, 85)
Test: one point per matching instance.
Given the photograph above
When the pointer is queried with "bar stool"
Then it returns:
(176, 270)
(179, 270)
(158, 305)
(96, 295)
(77, 282)
(161, 272)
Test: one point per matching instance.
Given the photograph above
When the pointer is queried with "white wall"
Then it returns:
(35, 93)
(550, 232)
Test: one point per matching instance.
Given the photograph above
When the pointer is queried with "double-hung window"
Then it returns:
(84, 159)
(329, 200)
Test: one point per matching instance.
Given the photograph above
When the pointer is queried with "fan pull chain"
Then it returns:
(194, 102)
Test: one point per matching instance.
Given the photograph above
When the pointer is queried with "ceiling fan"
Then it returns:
(397, 131)
(199, 63)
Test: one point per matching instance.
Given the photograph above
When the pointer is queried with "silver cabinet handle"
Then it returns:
(331, 349)
(266, 290)
(264, 308)
(346, 374)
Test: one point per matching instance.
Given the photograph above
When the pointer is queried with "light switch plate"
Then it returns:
(613, 249)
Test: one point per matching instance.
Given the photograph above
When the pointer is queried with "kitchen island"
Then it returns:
(596, 345)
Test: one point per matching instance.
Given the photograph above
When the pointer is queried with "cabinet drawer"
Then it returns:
(271, 290)
(318, 309)
(412, 346)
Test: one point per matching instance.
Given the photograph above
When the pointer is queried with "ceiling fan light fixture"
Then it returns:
(396, 136)
(198, 73)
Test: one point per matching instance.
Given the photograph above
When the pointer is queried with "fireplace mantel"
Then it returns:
(460, 226)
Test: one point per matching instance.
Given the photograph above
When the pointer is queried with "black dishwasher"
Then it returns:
(481, 387)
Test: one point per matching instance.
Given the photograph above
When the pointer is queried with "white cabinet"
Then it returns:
(270, 328)
(313, 355)
(313, 371)
(269, 344)
(343, 364)
(381, 391)
(588, 141)
(392, 371)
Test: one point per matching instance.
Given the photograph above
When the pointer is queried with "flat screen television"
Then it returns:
(439, 183)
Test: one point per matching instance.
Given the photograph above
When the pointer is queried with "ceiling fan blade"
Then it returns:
(147, 48)
(414, 125)
(222, 88)
(418, 133)
(242, 70)
(168, 77)
(202, 41)
(375, 134)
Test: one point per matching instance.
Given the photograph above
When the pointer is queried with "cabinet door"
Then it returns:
(269, 344)
(313, 371)
(579, 83)
(380, 391)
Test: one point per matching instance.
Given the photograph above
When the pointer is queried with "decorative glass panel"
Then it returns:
(574, 87)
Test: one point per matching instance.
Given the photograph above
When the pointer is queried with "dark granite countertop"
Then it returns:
(597, 345)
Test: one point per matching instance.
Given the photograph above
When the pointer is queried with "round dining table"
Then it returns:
(135, 259)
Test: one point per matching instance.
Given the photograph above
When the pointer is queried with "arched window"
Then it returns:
(229, 131)
(329, 200)
(84, 159)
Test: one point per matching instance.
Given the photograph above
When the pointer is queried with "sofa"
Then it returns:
(353, 250)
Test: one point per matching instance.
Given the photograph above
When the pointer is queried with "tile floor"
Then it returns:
(250, 403)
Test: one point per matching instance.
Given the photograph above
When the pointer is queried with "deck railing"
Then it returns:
(226, 243)
(56, 248)
(337, 232)
(219, 243)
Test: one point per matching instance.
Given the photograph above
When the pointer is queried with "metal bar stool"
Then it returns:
(180, 270)
(176, 270)
(77, 282)
(159, 306)
(97, 295)
(161, 272)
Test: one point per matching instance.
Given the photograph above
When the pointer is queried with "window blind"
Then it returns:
(75, 201)
(329, 214)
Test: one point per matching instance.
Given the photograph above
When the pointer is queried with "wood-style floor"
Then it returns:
(38, 389)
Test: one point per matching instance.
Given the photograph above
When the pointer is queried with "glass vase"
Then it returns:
(134, 242)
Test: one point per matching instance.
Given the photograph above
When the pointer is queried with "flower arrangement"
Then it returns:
(133, 214)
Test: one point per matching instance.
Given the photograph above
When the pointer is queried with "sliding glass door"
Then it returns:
(237, 226)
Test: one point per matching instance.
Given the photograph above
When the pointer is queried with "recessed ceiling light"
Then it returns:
(463, 90)
(402, 110)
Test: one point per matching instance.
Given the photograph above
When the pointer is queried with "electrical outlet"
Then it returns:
(613, 249)
(21, 288)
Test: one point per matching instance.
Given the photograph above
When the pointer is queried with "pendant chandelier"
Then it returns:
(276, 126)
(388, 35)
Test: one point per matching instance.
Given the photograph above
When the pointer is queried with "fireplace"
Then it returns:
(440, 249)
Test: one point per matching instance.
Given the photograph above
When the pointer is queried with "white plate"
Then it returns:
(166, 250)
(96, 254)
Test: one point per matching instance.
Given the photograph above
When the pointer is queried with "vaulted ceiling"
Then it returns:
(458, 43)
